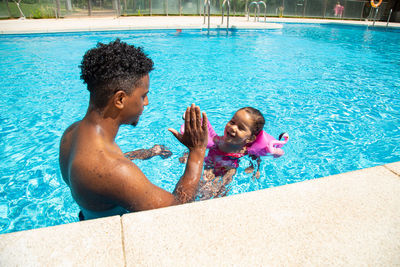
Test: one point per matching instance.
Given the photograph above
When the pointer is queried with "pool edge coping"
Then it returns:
(68, 25)
(23, 245)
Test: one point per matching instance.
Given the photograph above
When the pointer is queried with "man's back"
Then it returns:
(86, 162)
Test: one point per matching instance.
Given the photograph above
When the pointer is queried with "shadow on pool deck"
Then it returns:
(347, 219)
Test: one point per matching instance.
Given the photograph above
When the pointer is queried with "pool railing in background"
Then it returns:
(351, 9)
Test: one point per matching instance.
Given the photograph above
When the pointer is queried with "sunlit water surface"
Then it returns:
(334, 89)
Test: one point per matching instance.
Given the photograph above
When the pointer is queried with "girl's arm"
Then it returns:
(184, 157)
(250, 169)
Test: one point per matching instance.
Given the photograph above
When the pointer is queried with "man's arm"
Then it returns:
(195, 138)
(131, 189)
(186, 188)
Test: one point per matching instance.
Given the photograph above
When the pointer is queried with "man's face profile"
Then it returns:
(137, 100)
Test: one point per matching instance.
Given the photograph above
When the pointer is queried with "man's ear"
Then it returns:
(119, 99)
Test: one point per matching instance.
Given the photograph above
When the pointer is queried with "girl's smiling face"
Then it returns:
(238, 131)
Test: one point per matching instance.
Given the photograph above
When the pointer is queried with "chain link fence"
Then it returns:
(332, 9)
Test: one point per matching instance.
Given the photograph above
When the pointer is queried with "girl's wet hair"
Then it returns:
(258, 119)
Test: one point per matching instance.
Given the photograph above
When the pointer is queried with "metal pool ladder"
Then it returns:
(207, 4)
(390, 14)
(376, 13)
(227, 18)
(257, 10)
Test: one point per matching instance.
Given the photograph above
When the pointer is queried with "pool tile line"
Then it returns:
(392, 171)
(122, 240)
(394, 168)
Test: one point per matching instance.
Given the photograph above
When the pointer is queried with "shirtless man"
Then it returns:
(102, 180)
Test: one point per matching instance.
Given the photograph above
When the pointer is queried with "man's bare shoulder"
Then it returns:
(118, 165)
(100, 166)
(65, 150)
(70, 130)
(117, 180)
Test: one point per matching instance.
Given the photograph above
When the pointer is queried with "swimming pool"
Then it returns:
(334, 89)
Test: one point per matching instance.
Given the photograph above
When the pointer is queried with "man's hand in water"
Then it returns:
(195, 135)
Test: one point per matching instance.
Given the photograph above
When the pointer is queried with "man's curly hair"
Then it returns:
(112, 67)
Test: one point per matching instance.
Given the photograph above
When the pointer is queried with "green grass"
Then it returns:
(34, 11)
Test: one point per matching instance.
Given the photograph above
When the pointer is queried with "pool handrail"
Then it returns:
(227, 19)
(376, 13)
(265, 10)
(256, 10)
(390, 14)
(207, 3)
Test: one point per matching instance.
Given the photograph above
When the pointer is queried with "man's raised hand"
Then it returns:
(195, 135)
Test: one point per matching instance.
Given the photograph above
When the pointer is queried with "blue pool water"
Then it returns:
(334, 89)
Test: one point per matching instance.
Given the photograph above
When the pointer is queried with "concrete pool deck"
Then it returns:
(155, 22)
(349, 219)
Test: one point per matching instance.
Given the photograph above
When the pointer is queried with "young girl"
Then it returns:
(243, 135)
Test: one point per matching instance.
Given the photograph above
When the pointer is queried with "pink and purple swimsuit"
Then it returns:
(221, 161)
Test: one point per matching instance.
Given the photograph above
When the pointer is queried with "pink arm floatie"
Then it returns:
(266, 144)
